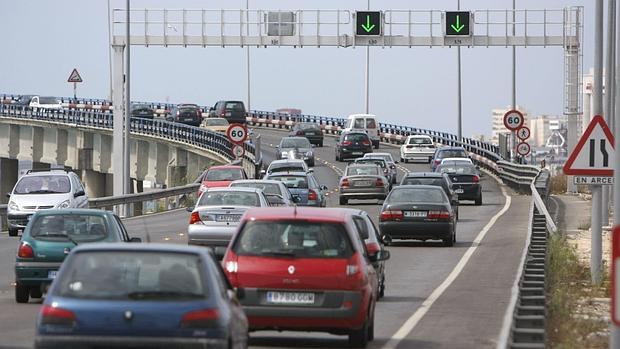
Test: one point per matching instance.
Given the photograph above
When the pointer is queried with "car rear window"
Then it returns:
(43, 185)
(286, 167)
(300, 239)
(295, 143)
(134, 275)
(268, 188)
(358, 123)
(232, 198)
(224, 174)
(356, 137)
(378, 162)
(420, 141)
(310, 127)
(292, 182)
(236, 106)
(420, 195)
(457, 169)
(422, 181)
(76, 227)
(370, 123)
(455, 153)
(362, 171)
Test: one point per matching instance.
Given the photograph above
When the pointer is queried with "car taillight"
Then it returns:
(476, 179)
(372, 248)
(51, 315)
(223, 113)
(299, 133)
(200, 318)
(365, 142)
(346, 143)
(379, 182)
(344, 182)
(438, 215)
(437, 161)
(312, 195)
(195, 218)
(25, 251)
(391, 215)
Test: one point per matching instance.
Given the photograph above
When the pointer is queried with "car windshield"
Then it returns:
(301, 239)
(237, 106)
(309, 127)
(48, 100)
(419, 195)
(422, 181)
(229, 198)
(43, 185)
(224, 174)
(131, 275)
(356, 137)
(420, 140)
(452, 153)
(295, 143)
(379, 162)
(268, 188)
(457, 169)
(216, 122)
(362, 171)
(292, 182)
(76, 227)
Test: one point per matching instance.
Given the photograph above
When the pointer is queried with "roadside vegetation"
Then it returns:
(578, 312)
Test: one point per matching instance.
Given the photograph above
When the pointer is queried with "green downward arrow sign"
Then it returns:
(368, 27)
(458, 27)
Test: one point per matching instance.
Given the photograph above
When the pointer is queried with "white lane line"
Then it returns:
(413, 321)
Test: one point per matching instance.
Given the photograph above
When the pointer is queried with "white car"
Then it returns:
(457, 160)
(52, 103)
(287, 165)
(417, 147)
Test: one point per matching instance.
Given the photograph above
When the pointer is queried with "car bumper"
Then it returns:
(210, 236)
(363, 193)
(18, 220)
(349, 153)
(77, 342)
(416, 230)
(470, 192)
(418, 155)
(314, 139)
(35, 273)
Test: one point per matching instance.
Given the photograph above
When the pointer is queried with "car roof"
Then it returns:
(218, 167)
(334, 215)
(419, 136)
(234, 189)
(418, 186)
(424, 174)
(284, 161)
(450, 148)
(288, 173)
(292, 137)
(377, 154)
(355, 164)
(154, 247)
(46, 173)
(457, 159)
(354, 132)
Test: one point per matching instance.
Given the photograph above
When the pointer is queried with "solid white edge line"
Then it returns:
(413, 321)
(504, 334)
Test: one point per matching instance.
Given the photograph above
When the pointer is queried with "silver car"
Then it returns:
(216, 216)
(390, 161)
(363, 182)
(295, 148)
(40, 190)
(276, 192)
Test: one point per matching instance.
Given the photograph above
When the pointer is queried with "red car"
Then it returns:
(305, 269)
(220, 176)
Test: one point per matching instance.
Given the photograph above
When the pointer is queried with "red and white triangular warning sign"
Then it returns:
(75, 76)
(593, 154)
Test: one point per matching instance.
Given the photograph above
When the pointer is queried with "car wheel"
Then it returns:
(35, 292)
(449, 241)
(377, 145)
(359, 338)
(13, 232)
(337, 158)
(382, 289)
(479, 200)
(343, 201)
(371, 329)
(321, 144)
(22, 293)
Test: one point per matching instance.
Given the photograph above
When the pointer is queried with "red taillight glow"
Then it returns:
(391, 215)
(438, 215)
(379, 182)
(344, 183)
(299, 133)
(476, 179)
(195, 218)
(25, 251)
(365, 142)
(51, 315)
(437, 161)
(200, 318)
(312, 195)
(372, 248)
(346, 143)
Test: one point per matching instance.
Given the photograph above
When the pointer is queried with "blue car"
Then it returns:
(141, 296)
(303, 186)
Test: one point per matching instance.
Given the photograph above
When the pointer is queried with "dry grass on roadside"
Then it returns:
(573, 321)
(558, 184)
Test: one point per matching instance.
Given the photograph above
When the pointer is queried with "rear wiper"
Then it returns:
(162, 294)
(64, 236)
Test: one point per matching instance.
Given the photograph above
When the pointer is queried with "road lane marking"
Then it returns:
(414, 319)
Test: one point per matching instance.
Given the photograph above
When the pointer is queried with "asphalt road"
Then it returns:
(436, 297)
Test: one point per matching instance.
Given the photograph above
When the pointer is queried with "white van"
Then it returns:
(366, 123)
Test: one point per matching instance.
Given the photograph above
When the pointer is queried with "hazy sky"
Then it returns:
(42, 41)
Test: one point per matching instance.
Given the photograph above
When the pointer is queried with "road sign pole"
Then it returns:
(367, 74)
(514, 79)
(597, 235)
(75, 90)
(614, 338)
(597, 109)
(609, 88)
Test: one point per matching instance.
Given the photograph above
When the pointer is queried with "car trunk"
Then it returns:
(302, 193)
(461, 181)
(188, 115)
(356, 182)
(417, 212)
(221, 215)
(51, 250)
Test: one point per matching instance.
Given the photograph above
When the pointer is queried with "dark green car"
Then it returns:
(49, 237)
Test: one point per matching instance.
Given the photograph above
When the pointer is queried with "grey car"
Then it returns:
(276, 192)
(363, 181)
(217, 213)
(295, 148)
(390, 162)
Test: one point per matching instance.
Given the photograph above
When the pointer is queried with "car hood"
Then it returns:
(39, 199)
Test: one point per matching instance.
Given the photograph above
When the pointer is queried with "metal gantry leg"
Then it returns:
(118, 112)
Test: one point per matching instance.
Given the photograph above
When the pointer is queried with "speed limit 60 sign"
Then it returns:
(513, 119)
(237, 133)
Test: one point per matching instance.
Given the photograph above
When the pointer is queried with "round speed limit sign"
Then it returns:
(523, 149)
(513, 119)
(237, 133)
(238, 151)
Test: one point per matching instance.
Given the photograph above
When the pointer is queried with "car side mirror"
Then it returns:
(79, 193)
(263, 172)
(296, 198)
(211, 109)
(278, 146)
(382, 255)
(219, 252)
(323, 188)
(240, 293)
(313, 145)
(311, 170)
(395, 161)
(135, 240)
(8, 195)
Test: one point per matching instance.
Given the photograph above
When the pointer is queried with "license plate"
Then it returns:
(459, 191)
(228, 218)
(290, 298)
(52, 274)
(357, 153)
(362, 183)
(416, 214)
(310, 133)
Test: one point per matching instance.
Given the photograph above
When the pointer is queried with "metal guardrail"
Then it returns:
(517, 176)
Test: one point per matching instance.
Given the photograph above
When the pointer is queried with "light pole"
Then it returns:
(247, 52)
(367, 74)
(126, 150)
(459, 131)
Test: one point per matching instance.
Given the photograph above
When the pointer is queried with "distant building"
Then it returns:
(498, 122)
(543, 127)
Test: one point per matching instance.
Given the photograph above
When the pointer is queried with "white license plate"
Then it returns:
(416, 214)
(52, 274)
(290, 298)
(310, 133)
(228, 218)
(357, 153)
(459, 191)
(362, 183)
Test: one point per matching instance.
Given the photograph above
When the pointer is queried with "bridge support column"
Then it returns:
(41, 166)
(139, 159)
(94, 183)
(9, 171)
(117, 133)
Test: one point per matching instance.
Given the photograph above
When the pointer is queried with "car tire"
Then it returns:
(35, 292)
(311, 164)
(321, 144)
(337, 158)
(13, 232)
(343, 201)
(22, 293)
(359, 338)
(449, 242)
(377, 145)
(381, 289)
(479, 200)
(371, 329)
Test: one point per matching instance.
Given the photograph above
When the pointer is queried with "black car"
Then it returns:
(309, 130)
(352, 145)
(434, 178)
(189, 114)
(233, 111)
(465, 180)
(142, 111)
(447, 152)
(421, 212)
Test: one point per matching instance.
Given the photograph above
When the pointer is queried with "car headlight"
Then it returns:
(65, 204)
(13, 206)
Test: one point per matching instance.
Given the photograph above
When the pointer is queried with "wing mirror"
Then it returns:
(79, 193)
(219, 252)
(8, 195)
(382, 255)
(136, 240)
(189, 209)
